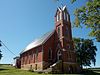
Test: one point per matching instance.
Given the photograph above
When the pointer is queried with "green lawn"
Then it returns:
(9, 70)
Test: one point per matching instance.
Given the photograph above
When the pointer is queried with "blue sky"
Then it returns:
(22, 21)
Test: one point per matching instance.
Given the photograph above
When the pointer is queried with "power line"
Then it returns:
(7, 48)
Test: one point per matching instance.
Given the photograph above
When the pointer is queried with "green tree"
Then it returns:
(88, 16)
(0, 51)
(85, 51)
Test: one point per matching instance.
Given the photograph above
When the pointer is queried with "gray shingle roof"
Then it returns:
(39, 41)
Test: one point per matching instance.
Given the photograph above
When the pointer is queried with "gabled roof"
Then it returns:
(39, 41)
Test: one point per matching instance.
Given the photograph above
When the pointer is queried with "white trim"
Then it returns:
(59, 9)
(59, 54)
(64, 7)
(55, 64)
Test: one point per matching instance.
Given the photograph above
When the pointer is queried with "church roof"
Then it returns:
(39, 41)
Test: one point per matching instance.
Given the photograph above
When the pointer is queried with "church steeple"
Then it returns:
(62, 14)
(63, 25)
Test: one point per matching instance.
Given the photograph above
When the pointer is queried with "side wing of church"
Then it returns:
(54, 50)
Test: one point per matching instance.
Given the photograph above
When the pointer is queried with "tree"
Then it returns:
(89, 16)
(0, 51)
(85, 51)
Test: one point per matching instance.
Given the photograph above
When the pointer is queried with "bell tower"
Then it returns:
(63, 27)
(65, 48)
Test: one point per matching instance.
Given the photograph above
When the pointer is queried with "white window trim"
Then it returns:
(58, 54)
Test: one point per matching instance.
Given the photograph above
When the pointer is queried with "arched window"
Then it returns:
(67, 17)
(22, 60)
(64, 15)
(67, 32)
(57, 17)
(29, 57)
(60, 16)
(25, 59)
(58, 32)
(50, 53)
(59, 55)
(36, 55)
(69, 47)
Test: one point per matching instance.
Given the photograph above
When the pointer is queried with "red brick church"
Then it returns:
(54, 50)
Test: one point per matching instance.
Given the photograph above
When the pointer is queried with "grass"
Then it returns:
(91, 71)
(9, 70)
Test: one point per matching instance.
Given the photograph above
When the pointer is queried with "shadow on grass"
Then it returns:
(89, 72)
(3, 69)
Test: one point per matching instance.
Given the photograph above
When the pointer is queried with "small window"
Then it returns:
(26, 59)
(67, 32)
(29, 56)
(64, 16)
(36, 55)
(67, 17)
(33, 57)
(57, 17)
(68, 46)
(60, 16)
(50, 54)
(70, 55)
(22, 60)
(58, 32)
